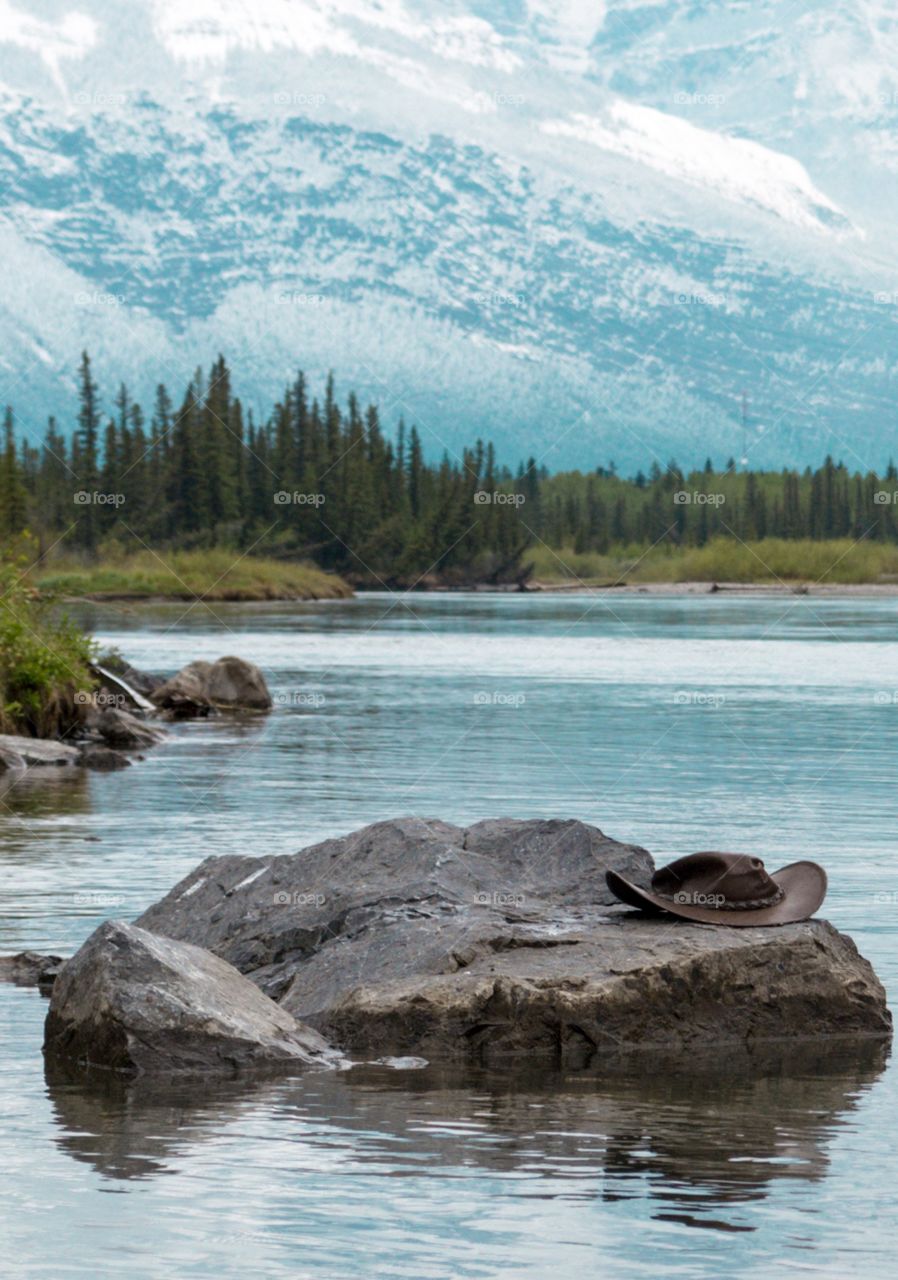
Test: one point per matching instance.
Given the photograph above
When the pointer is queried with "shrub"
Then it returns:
(43, 659)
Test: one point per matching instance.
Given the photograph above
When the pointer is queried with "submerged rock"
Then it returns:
(20, 752)
(30, 969)
(133, 1002)
(93, 756)
(123, 731)
(229, 684)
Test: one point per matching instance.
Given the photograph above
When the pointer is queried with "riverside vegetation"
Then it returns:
(43, 660)
(200, 499)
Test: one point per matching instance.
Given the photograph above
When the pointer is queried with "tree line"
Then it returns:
(323, 481)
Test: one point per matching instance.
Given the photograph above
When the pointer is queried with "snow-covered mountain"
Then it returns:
(584, 230)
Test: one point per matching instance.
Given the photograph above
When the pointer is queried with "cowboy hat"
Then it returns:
(727, 888)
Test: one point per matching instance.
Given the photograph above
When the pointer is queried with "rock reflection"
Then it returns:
(697, 1145)
(42, 792)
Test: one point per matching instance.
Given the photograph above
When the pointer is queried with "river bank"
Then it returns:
(832, 567)
(216, 575)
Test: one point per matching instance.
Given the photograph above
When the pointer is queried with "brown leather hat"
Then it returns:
(727, 888)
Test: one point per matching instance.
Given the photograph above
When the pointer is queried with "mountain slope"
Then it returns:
(468, 219)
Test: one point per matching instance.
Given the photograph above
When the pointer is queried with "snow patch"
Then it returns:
(735, 168)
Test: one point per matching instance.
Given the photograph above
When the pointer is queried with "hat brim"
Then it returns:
(803, 885)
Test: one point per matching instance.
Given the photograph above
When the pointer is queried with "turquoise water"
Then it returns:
(679, 723)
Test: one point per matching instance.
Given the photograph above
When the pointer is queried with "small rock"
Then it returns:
(103, 758)
(30, 969)
(124, 731)
(135, 1003)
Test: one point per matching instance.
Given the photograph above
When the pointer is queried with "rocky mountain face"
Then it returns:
(583, 231)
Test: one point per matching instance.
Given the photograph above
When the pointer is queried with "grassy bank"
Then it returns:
(43, 661)
(840, 561)
(184, 575)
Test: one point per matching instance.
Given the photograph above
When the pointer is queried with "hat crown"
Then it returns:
(726, 881)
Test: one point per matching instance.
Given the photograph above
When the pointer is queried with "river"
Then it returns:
(680, 723)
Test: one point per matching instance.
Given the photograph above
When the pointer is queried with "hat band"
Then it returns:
(719, 902)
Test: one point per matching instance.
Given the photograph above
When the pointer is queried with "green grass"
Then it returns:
(724, 560)
(184, 575)
(43, 660)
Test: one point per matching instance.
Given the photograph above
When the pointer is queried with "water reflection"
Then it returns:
(48, 792)
(696, 1146)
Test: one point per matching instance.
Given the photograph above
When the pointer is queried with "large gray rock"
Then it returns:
(394, 899)
(418, 937)
(230, 684)
(19, 752)
(133, 1002)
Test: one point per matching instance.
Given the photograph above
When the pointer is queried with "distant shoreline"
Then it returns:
(886, 590)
